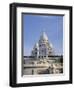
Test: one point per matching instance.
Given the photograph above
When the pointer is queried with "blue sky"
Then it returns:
(34, 25)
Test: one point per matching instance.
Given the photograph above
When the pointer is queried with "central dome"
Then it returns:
(44, 37)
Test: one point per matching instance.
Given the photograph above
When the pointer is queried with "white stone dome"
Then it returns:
(44, 37)
(51, 45)
(36, 45)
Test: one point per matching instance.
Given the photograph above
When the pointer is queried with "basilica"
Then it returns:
(42, 59)
(42, 48)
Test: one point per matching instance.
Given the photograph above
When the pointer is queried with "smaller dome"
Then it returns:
(36, 45)
(51, 45)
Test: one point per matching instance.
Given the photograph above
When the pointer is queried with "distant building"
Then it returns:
(43, 48)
